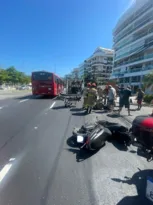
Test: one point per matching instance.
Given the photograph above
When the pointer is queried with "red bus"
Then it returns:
(46, 83)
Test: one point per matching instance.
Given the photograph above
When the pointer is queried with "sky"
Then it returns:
(55, 35)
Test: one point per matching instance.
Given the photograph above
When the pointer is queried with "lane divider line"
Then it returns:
(4, 171)
(23, 100)
(52, 105)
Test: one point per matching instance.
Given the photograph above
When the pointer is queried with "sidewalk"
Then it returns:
(123, 118)
(134, 102)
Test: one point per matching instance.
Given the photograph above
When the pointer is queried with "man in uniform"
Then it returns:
(92, 96)
(85, 94)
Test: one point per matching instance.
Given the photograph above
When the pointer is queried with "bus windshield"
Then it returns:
(41, 76)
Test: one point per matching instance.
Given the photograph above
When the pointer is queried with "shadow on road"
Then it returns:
(81, 154)
(114, 115)
(100, 111)
(139, 179)
(119, 146)
(79, 113)
(59, 107)
(75, 109)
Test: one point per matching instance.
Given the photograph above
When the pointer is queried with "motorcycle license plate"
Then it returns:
(80, 139)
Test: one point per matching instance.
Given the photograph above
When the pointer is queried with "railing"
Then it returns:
(129, 31)
(132, 71)
(135, 38)
(136, 59)
(100, 62)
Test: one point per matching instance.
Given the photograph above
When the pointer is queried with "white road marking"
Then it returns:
(4, 171)
(11, 159)
(35, 128)
(23, 100)
(52, 105)
(1, 108)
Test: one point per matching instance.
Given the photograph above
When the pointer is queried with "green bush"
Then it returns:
(148, 98)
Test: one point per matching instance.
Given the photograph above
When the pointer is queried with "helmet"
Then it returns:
(88, 84)
(94, 84)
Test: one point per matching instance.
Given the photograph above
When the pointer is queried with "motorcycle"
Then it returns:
(93, 136)
(141, 135)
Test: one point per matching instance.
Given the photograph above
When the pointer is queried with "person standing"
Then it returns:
(140, 97)
(111, 97)
(92, 96)
(105, 94)
(125, 99)
(85, 94)
(121, 95)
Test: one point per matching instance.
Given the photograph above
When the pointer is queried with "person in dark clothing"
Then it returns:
(121, 94)
(124, 99)
(140, 97)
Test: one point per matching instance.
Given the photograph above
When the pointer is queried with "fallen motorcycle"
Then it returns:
(94, 136)
(93, 139)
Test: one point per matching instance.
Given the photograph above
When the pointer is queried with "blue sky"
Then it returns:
(55, 35)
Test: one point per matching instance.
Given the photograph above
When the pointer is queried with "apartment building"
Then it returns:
(133, 44)
(98, 66)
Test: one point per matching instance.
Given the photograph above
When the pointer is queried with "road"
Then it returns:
(39, 167)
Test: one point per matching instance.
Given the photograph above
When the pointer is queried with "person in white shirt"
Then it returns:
(111, 97)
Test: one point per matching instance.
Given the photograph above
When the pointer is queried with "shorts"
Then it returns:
(123, 103)
(110, 102)
(139, 102)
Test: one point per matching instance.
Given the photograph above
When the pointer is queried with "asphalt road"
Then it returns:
(39, 166)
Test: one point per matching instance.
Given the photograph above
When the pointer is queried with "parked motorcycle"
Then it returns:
(141, 135)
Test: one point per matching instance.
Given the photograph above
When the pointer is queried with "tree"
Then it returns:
(12, 76)
(148, 80)
(87, 77)
(3, 76)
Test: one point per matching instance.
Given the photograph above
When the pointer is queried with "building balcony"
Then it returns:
(129, 31)
(136, 39)
(102, 63)
(140, 13)
(129, 25)
(138, 60)
(142, 27)
(133, 72)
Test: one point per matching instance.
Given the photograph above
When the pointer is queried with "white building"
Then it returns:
(98, 66)
(75, 73)
(133, 44)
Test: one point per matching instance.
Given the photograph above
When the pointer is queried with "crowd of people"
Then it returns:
(108, 97)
